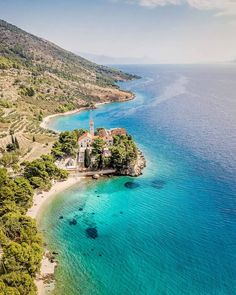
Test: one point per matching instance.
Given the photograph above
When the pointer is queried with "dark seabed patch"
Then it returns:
(81, 209)
(158, 183)
(61, 217)
(73, 221)
(92, 232)
(131, 184)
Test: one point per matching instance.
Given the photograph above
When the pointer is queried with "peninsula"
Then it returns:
(98, 150)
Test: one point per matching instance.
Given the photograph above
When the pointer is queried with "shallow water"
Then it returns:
(172, 230)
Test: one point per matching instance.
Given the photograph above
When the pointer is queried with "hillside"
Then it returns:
(38, 78)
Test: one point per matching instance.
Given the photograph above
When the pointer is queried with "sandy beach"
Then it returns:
(40, 198)
(45, 123)
(44, 280)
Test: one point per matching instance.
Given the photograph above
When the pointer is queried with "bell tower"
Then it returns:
(91, 126)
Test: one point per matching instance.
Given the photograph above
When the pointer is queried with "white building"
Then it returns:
(85, 140)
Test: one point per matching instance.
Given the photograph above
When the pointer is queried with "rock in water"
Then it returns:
(92, 232)
(96, 176)
(131, 184)
(61, 217)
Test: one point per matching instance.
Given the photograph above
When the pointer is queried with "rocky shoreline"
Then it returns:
(134, 169)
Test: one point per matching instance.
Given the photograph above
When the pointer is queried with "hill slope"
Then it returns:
(38, 78)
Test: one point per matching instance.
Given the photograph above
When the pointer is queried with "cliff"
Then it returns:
(135, 168)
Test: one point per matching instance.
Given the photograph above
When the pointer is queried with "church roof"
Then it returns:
(86, 134)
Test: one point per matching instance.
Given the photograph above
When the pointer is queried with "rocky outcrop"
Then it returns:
(135, 168)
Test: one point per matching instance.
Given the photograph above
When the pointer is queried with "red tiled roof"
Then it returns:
(86, 134)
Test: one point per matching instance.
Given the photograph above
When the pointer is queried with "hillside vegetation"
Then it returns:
(38, 78)
(21, 246)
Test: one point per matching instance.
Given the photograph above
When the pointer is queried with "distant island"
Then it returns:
(39, 79)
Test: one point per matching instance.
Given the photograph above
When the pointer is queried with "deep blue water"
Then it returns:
(175, 233)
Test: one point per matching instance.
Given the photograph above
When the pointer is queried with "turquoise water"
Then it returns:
(174, 233)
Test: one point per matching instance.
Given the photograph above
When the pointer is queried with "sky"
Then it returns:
(152, 31)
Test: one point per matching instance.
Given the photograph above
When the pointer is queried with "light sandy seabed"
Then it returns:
(47, 267)
(45, 123)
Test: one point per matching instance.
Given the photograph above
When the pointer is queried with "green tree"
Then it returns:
(124, 151)
(98, 146)
(87, 159)
(9, 158)
(16, 283)
(17, 143)
(22, 257)
(10, 147)
(12, 140)
(56, 150)
(23, 192)
(20, 228)
(79, 132)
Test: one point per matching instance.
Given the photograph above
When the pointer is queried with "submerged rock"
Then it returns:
(61, 217)
(159, 184)
(73, 221)
(81, 209)
(131, 184)
(92, 232)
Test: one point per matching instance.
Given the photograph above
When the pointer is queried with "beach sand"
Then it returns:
(46, 121)
(44, 280)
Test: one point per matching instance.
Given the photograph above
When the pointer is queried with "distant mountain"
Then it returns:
(109, 60)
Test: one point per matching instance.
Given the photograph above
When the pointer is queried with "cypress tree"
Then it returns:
(12, 140)
(17, 144)
(87, 159)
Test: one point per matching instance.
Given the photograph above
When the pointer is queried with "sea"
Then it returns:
(171, 231)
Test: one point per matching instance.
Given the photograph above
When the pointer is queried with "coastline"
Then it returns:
(45, 279)
(45, 122)
(40, 199)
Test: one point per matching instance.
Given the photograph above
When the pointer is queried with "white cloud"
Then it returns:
(222, 7)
